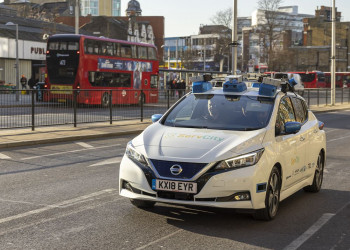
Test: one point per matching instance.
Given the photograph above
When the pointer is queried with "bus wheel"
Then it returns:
(105, 100)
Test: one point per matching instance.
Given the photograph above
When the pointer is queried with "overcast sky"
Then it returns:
(183, 17)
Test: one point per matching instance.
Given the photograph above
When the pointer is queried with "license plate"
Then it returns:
(174, 186)
(61, 100)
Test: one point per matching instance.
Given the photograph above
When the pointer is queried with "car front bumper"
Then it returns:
(215, 189)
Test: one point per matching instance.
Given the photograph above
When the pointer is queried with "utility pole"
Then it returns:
(77, 12)
(234, 38)
(334, 20)
(204, 55)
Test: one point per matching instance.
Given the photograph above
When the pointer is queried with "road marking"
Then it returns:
(57, 205)
(311, 231)
(114, 160)
(4, 157)
(84, 145)
(72, 151)
(331, 130)
(160, 239)
(344, 137)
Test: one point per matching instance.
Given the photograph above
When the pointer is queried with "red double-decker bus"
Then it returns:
(342, 79)
(100, 67)
(312, 79)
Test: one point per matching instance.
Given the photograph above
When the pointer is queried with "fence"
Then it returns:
(33, 110)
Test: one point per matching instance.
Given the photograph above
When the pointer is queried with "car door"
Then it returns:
(309, 129)
(292, 147)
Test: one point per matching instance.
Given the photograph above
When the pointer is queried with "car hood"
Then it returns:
(196, 145)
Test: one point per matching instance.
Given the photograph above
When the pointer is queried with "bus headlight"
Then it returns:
(241, 161)
(134, 155)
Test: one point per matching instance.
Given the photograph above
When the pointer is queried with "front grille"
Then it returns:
(188, 169)
(175, 196)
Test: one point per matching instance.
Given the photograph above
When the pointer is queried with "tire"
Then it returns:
(318, 177)
(272, 199)
(105, 100)
(142, 204)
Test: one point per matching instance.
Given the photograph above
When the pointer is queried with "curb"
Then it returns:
(67, 138)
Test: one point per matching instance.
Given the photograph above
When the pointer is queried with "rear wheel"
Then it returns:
(318, 177)
(142, 204)
(105, 100)
(272, 199)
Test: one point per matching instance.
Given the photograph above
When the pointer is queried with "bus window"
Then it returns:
(134, 52)
(53, 46)
(110, 49)
(63, 46)
(125, 50)
(103, 48)
(73, 46)
(154, 82)
(109, 79)
(116, 47)
(96, 48)
(152, 54)
(142, 52)
(320, 77)
(89, 46)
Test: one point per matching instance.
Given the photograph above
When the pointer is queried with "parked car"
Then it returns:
(235, 147)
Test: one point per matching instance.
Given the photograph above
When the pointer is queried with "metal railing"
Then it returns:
(35, 109)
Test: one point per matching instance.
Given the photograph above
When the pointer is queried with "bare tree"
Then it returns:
(223, 17)
(270, 29)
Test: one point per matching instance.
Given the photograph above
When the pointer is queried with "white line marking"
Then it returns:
(57, 205)
(160, 239)
(84, 145)
(331, 130)
(72, 151)
(311, 231)
(339, 138)
(3, 156)
(114, 160)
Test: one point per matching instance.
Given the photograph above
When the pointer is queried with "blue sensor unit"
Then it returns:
(200, 87)
(234, 86)
(256, 85)
(267, 89)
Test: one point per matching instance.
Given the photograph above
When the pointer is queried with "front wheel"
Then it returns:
(142, 203)
(318, 177)
(272, 199)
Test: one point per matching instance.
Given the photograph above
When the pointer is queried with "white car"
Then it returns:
(230, 147)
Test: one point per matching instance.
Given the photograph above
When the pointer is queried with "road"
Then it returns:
(65, 196)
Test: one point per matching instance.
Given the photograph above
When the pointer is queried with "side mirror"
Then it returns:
(156, 117)
(292, 127)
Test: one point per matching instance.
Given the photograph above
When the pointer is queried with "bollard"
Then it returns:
(142, 100)
(33, 110)
(110, 107)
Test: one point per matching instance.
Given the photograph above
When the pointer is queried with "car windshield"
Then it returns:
(223, 112)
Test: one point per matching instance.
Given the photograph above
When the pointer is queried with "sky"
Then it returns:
(183, 17)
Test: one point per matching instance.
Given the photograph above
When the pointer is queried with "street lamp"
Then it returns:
(17, 63)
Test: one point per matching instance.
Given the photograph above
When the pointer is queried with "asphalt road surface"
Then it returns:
(65, 196)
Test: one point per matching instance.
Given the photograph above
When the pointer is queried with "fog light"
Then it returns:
(242, 197)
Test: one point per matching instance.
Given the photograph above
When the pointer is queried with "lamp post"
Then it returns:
(234, 38)
(334, 19)
(17, 63)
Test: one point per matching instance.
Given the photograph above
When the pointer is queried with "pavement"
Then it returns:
(52, 134)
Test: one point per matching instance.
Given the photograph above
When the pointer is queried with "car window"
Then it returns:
(224, 112)
(285, 114)
(300, 110)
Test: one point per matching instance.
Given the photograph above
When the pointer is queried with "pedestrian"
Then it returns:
(182, 87)
(23, 82)
(31, 82)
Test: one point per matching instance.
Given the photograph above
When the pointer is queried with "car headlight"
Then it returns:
(241, 161)
(134, 155)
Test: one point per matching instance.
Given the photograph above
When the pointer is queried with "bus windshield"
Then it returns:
(63, 61)
(307, 77)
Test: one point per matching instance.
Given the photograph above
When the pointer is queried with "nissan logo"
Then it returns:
(176, 169)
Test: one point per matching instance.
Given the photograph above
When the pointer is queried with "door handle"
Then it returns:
(302, 138)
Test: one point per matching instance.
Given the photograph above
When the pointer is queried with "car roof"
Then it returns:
(249, 92)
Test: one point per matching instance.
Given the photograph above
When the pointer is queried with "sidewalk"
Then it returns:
(25, 137)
